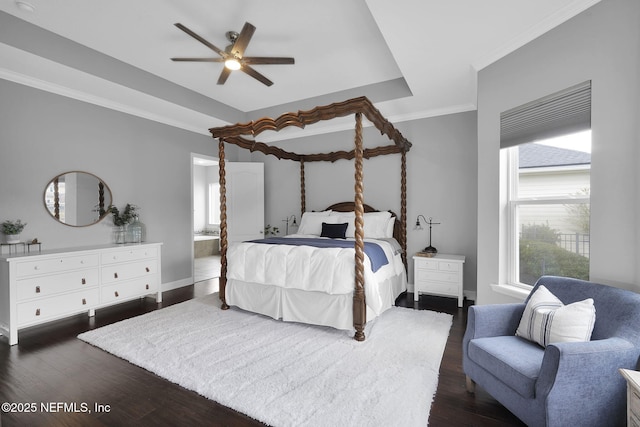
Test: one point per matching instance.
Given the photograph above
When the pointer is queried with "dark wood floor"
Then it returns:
(50, 367)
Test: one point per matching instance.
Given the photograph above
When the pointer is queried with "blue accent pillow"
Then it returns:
(334, 231)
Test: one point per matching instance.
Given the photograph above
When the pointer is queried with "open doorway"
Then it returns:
(206, 217)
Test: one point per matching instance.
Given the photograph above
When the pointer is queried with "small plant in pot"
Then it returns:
(121, 220)
(12, 230)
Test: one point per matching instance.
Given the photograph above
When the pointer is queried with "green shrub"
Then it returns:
(539, 258)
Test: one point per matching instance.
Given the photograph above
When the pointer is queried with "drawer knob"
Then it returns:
(84, 301)
(36, 267)
(115, 275)
(116, 293)
(147, 286)
(37, 312)
(84, 281)
(147, 268)
(37, 289)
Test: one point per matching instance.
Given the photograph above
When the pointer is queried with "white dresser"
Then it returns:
(438, 275)
(39, 287)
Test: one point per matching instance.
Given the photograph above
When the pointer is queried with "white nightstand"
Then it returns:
(633, 396)
(438, 275)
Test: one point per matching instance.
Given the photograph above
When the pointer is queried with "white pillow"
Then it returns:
(547, 320)
(375, 224)
(390, 225)
(311, 222)
(349, 218)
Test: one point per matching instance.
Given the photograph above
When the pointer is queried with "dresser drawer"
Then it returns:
(440, 276)
(55, 265)
(37, 310)
(121, 272)
(131, 289)
(43, 286)
(133, 254)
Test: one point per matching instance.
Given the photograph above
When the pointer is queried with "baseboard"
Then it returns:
(177, 284)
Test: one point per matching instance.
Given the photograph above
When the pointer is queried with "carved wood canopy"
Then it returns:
(233, 134)
(357, 106)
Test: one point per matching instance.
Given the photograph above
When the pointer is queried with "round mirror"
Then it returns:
(77, 198)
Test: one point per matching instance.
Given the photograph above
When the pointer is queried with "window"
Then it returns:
(546, 163)
(214, 203)
(548, 208)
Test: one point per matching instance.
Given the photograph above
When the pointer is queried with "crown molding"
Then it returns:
(534, 32)
(144, 113)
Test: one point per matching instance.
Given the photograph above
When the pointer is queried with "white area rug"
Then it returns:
(290, 374)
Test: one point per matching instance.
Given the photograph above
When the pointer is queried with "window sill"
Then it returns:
(510, 290)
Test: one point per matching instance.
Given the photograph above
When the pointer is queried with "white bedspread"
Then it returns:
(328, 270)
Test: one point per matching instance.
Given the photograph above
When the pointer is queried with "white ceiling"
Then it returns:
(412, 58)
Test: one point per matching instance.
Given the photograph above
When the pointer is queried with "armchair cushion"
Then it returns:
(547, 320)
(514, 360)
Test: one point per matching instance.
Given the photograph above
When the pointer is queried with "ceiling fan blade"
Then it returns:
(224, 75)
(256, 75)
(198, 59)
(201, 40)
(268, 60)
(243, 39)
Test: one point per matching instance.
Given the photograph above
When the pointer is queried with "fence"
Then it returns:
(575, 242)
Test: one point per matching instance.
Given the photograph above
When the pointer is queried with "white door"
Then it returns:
(245, 201)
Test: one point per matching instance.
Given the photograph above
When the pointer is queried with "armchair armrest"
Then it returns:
(590, 367)
(493, 320)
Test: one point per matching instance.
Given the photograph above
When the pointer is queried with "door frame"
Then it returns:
(193, 157)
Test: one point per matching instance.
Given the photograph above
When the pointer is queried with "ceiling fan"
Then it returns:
(233, 55)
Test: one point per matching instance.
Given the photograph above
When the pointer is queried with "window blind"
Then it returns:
(561, 113)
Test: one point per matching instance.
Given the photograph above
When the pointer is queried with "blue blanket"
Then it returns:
(372, 250)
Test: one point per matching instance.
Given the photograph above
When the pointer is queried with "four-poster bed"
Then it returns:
(358, 107)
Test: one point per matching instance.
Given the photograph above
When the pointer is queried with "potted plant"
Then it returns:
(269, 230)
(12, 230)
(121, 219)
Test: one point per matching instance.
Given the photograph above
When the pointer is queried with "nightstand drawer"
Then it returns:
(448, 266)
(438, 288)
(440, 276)
(426, 263)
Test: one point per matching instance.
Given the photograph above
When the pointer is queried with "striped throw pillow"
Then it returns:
(547, 320)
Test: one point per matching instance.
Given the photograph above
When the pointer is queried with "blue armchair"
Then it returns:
(569, 383)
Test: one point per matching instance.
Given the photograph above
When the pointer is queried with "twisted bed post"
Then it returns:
(403, 206)
(303, 203)
(359, 307)
(223, 225)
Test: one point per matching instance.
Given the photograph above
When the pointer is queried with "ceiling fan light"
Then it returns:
(232, 64)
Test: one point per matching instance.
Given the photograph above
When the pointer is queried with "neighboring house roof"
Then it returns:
(540, 156)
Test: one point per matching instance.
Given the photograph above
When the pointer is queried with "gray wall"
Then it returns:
(143, 162)
(601, 44)
(441, 182)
